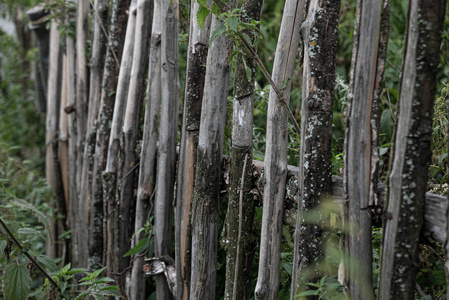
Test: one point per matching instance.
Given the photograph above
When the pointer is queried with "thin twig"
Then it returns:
(389, 100)
(278, 92)
(239, 236)
(394, 67)
(106, 34)
(24, 251)
(129, 172)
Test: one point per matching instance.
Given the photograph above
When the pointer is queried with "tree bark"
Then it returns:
(93, 217)
(362, 147)
(52, 172)
(131, 133)
(319, 32)
(63, 136)
(238, 237)
(207, 175)
(81, 109)
(147, 166)
(98, 207)
(408, 179)
(166, 167)
(267, 286)
(110, 173)
(69, 109)
(193, 96)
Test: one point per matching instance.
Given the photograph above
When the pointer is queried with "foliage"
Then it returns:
(439, 165)
(20, 126)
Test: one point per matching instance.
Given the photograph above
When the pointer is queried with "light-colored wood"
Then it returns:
(205, 206)
(267, 286)
(63, 134)
(358, 168)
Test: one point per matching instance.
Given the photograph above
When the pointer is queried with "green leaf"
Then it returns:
(308, 293)
(233, 23)
(217, 32)
(249, 73)
(76, 271)
(247, 39)
(82, 295)
(104, 280)
(41, 217)
(139, 248)
(288, 267)
(32, 232)
(48, 263)
(99, 296)
(98, 272)
(17, 282)
(215, 9)
(201, 15)
(284, 83)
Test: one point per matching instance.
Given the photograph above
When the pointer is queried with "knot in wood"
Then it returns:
(313, 104)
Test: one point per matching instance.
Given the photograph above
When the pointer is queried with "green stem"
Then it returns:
(24, 251)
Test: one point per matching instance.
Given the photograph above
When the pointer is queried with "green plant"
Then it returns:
(326, 288)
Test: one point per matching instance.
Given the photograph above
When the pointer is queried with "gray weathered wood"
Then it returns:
(63, 134)
(130, 134)
(361, 133)
(94, 260)
(412, 153)
(147, 175)
(71, 93)
(110, 173)
(319, 34)
(193, 95)
(166, 164)
(208, 170)
(238, 239)
(81, 107)
(267, 286)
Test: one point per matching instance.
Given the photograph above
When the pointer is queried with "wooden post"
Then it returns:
(208, 170)
(193, 96)
(267, 286)
(412, 152)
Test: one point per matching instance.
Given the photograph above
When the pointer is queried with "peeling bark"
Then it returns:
(129, 136)
(267, 286)
(319, 33)
(110, 173)
(98, 207)
(238, 238)
(207, 179)
(408, 178)
(96, 69)
(147, 175)
(362, 146)
(196, 71)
